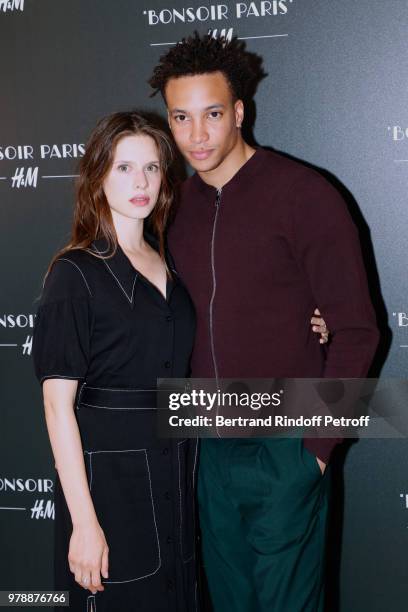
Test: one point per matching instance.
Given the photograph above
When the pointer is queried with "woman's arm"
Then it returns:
(88, 550)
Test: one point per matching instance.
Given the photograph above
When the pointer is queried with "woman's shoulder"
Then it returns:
(70, 276)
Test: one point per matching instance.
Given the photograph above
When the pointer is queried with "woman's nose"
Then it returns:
(140, 180)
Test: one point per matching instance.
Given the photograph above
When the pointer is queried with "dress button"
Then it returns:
(170, 585)
(167, 364)
(167, 495)
(165, 451)
(169, 540)
(169, 318)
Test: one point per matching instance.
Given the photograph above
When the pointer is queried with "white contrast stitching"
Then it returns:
(117, 280)
(195, 462)
(59, 376)
(125, 450)
(107, 389)
(80, 394)
(181, 509)
(153, 511)
(91, 604)
(133, 288)
(110, 408)
(78, 268)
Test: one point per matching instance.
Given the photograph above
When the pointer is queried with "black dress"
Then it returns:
(103, 323)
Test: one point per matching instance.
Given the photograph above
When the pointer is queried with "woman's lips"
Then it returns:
(140, 200)
(199, 155)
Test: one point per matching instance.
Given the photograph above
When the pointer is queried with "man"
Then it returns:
(259, 240)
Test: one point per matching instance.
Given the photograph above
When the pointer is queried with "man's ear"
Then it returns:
(239, 113)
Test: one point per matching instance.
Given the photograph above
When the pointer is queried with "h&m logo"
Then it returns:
(224, 33)
(25, 177)
(41, 510)
(11, 5)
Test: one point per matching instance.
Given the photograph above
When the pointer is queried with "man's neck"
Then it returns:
(237, 157)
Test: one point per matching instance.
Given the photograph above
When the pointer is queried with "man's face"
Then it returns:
(203, 118)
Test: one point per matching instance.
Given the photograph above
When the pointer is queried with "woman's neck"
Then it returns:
(129, 232)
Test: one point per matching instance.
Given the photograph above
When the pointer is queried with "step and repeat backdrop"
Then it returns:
(335, 96)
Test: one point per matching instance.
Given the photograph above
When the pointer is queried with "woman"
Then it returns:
(114, 317)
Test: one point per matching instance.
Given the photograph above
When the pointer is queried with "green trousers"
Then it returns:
(263, 516)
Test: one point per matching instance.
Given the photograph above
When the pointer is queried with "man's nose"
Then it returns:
(198, 132)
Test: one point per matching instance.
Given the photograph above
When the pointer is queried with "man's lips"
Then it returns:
(203, 154)
(140, 200)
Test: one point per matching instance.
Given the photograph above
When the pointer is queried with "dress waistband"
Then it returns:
(119, 399)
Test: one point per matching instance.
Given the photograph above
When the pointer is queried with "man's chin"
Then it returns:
(204, 165)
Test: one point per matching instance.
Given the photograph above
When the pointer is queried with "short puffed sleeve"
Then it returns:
(63, 325)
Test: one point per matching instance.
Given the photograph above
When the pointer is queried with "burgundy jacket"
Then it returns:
(258, 257)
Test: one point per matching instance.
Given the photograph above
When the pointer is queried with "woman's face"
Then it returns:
(132, 184)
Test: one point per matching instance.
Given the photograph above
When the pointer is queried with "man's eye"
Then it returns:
(215, 114)
(180, 118)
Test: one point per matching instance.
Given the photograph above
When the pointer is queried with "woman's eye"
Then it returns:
(152, 168)
(123, 168)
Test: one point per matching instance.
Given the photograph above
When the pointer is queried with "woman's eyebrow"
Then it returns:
(126, 161)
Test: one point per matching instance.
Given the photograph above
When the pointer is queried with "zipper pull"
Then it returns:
(218, 197)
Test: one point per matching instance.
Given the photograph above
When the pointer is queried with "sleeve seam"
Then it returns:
(64, 376)
(79, 269)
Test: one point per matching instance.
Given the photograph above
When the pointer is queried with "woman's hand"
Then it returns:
(319, 327)
(88, 556)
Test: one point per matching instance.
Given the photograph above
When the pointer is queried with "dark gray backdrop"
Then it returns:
(335, 96)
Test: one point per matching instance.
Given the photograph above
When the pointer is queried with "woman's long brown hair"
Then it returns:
(92, 215)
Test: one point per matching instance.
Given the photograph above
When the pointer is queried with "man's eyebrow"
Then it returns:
(207, 108)
(215, 106)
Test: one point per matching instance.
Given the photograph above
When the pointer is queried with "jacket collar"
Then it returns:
(120, 267)
(244, 174)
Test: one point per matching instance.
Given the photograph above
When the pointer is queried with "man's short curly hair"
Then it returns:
(205, 54)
